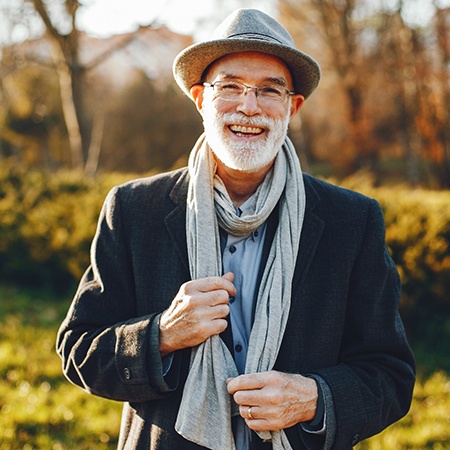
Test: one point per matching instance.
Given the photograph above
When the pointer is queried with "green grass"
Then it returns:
(39, 409)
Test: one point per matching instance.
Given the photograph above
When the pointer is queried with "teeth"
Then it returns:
(246, 130)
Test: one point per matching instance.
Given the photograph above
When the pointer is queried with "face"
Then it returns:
(246, 134)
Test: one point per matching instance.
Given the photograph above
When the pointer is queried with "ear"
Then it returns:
(297, 101)
(197, 95)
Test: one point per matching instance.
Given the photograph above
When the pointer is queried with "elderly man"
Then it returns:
(239, 303)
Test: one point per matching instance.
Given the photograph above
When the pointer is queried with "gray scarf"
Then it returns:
(206, 407)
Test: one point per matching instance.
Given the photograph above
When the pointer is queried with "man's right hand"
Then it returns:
(198, 311)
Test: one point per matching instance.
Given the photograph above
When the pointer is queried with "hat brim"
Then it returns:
(189, 65)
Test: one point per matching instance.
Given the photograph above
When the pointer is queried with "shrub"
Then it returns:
(47, 223)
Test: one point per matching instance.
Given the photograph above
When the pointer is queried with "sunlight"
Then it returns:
(105, 17)
(102, 18)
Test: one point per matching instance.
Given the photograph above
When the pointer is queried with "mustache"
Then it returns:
(242, 119)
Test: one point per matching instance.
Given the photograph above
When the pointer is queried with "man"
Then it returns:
(240, 303)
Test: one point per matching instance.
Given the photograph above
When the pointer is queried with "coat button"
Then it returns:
(355, 439)
(127, 373)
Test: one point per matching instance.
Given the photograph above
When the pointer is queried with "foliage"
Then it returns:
(31, 116)
(69, 100)
(384, 93)
(40, 410)
(148, 127)
(47, 223)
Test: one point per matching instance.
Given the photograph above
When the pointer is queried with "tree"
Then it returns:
(71, 72)
(399, 51)
(442, 26)
(149, 127)
(385, 92)
(64, 36)
(340, 34)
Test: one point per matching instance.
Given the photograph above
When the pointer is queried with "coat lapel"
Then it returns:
(312, 230)
(176, 220)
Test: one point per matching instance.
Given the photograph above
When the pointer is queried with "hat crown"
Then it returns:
(252, 24)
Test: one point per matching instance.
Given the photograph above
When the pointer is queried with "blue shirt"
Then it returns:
(242, 256)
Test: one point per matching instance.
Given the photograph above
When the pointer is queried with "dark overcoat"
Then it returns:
(343, 324)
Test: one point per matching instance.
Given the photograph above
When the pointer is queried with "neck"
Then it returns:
(241, 185)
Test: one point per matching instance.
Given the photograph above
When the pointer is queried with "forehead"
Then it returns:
(250, 65)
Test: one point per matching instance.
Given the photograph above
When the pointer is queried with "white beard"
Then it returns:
(243, 156)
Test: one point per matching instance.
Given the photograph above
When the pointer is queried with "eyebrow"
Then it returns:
(281, 81)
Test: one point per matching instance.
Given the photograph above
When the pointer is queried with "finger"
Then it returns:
(214, 327)
(219, 311)
(254, 419)
(250, 412)
(261, 425)
(215, 298)
(249, 397)
(228, 276)
(217, 283)
(252, 381)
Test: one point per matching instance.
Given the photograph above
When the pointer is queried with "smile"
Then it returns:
(242, 130)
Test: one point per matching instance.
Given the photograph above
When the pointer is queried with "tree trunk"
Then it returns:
(70, 73)
(69, 109)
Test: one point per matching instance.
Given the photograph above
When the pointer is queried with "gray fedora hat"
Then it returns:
(247, 30)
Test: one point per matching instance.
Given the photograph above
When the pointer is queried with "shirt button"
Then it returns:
(255, 233)
(232, 299)
(232, 249)
(238, 348)
(127, 373)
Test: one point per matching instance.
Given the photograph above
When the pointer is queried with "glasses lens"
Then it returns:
(234, 91)
(270, 92)
(229, 90)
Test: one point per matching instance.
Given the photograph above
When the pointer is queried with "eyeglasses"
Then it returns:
(235, 91)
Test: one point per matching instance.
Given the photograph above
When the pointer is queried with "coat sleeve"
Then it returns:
(106, 348)
(373, 381)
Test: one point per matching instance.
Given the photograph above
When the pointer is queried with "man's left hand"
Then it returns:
(277, 400)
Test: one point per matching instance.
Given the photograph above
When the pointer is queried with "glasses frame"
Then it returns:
(248, 87)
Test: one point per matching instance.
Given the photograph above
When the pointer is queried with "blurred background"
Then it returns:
(87, 101)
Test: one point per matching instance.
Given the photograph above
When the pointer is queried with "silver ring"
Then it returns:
(249, 413)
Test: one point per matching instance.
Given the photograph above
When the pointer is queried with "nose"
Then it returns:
(249, 104)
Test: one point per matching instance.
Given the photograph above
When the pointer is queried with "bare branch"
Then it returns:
(42, 11)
